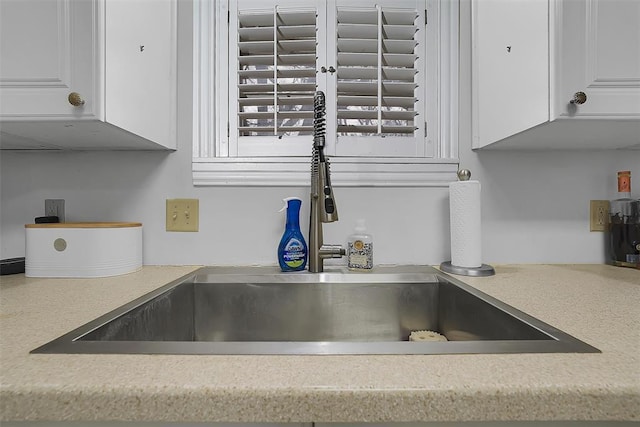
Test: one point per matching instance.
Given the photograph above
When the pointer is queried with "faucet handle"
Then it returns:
(332, 251)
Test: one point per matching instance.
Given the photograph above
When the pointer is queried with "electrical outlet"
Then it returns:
(182, 214)
(599, 215)
(54, 207)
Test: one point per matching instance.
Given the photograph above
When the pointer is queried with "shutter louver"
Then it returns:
(376, 71)
(276, 71)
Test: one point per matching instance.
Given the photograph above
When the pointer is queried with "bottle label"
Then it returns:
(633, 259)
(294, 253)
(360, 255)
(624, 182)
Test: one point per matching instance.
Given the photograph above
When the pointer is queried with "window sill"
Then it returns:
(345, 172)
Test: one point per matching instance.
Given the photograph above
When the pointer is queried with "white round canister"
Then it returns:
(83, 249)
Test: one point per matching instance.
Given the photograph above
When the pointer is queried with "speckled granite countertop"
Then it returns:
(596, 303)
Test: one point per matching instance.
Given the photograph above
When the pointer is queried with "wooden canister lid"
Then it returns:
(85, 225)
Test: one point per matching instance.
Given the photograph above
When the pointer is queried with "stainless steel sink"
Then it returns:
(261, 311)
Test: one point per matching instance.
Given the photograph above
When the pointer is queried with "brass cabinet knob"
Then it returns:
(75, 99)
(579, 98)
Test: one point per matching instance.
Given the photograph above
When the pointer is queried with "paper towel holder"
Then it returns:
(484, 270)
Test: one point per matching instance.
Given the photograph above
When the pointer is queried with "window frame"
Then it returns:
(212, 165)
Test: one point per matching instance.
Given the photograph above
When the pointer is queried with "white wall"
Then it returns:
(535, 205)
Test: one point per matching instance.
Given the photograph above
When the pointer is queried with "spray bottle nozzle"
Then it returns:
(286, 202)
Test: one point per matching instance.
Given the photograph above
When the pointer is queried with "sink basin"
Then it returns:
(262, 311)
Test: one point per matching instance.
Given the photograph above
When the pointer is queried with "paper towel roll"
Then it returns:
(464, 205)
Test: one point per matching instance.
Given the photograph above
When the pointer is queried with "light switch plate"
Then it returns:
(599, 215)
(182, 215)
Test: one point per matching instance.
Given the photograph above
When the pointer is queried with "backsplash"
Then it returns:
(535, 206)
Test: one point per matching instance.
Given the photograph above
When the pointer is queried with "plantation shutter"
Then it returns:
(275, 77)
(378, 67)
(376, 70)
(367, 56)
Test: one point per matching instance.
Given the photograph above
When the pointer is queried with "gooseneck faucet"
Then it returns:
(323, 206)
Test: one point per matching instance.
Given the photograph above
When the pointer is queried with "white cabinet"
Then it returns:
(529, 60)
(599, 55)
(118, 56)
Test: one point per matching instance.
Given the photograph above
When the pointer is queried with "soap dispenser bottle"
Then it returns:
(360, 248)
(292, 250)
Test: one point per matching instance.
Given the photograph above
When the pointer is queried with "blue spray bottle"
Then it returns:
(292, 250)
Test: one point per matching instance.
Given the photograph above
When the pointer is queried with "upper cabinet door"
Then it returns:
(510, 68)
(47, 53)
(140, 68)
(599, 54)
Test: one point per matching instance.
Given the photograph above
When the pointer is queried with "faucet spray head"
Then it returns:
(328, 211)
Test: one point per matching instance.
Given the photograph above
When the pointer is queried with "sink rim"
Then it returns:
(558, 342)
